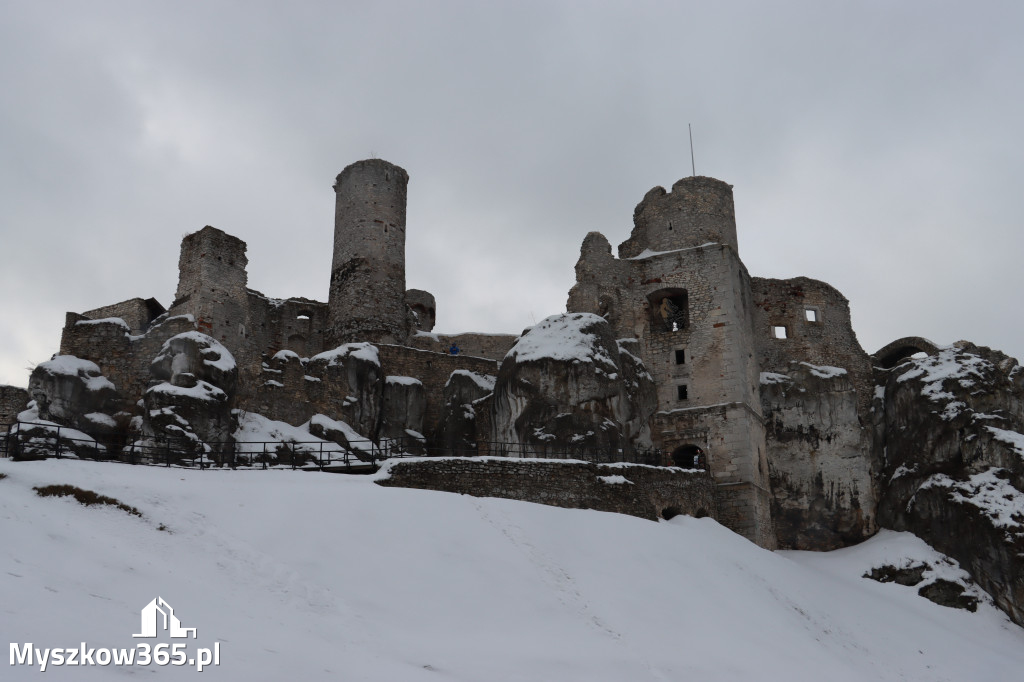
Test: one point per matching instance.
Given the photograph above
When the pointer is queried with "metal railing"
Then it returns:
(43, 440)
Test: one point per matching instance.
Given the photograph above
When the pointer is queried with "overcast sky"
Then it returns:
(874, 145)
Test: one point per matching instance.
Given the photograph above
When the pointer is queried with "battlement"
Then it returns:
(698, 210)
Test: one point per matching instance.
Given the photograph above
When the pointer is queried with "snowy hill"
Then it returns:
(309, 576)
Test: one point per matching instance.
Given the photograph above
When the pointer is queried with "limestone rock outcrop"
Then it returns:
(404, 404)
(823, 494)
(951, 426)
(71, 391)
(568, 384)
(192, 400)
(464, 403)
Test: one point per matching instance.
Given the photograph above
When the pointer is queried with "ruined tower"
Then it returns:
(212, 285)
(680, 287)
(367, 294)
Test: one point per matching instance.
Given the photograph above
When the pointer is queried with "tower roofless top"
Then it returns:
(697, 211)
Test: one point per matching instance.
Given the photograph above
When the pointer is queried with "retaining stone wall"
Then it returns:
(653, 492)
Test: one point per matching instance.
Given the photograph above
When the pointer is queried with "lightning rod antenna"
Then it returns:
(693, 166)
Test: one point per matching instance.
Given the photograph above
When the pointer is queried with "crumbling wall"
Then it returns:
(490, 346)
(138, 313)
(698, 210)
(637, 490)
(423, 309)
(828, 340)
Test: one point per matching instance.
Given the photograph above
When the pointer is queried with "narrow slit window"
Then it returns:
(680, 356)
(779, 332)
(681, 392)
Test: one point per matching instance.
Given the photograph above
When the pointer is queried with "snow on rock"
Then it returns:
(339, 432)
(195, 353)
(192, 403)
(1011, 438)
(255, 428)
(336, 356)
(568, 337)
(566, 376)
(67, 388)
(953, 426)
(949, 364)
(106, 320)
(774, 378)
(484, 381)
(615, 480)
(990, 492)
(824, 371)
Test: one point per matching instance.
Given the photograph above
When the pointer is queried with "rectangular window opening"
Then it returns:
(779, 332)
(680, 356)
(811, 314)
(681, 391)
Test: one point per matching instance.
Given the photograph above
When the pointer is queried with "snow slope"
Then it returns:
(310, 576)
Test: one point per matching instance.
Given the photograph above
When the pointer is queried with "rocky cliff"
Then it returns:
(950, 428)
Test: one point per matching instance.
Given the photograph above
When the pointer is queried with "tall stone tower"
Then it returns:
(367, 295)
(680, 287)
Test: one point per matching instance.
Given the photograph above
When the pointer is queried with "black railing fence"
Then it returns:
(43, 440)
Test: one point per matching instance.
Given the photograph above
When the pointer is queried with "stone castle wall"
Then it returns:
(13, 399)
(647, 492)
(137, 313)
(491, 346)
(828, 340)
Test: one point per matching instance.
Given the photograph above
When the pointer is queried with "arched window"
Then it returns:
(670, 309)
(689, 457)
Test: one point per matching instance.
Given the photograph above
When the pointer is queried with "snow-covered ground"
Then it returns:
(310, 576)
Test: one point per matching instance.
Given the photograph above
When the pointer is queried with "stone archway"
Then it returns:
(689, 457)
(893, 353)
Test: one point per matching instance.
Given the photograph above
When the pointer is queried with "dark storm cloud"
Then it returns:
(873, 146)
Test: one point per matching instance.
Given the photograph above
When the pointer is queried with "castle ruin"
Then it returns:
(752, 395)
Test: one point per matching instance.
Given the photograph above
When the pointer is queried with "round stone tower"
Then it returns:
(367, 296)
(697, 211)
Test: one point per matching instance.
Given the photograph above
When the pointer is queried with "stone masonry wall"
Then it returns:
(698, 210)
(13, 399)
(829, 340)
(136, 312)
(367, 294)
(705, 370)
(491, 346)
(212, 288)
(647, 492)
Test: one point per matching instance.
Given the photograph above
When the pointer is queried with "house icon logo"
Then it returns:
(159, 615)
